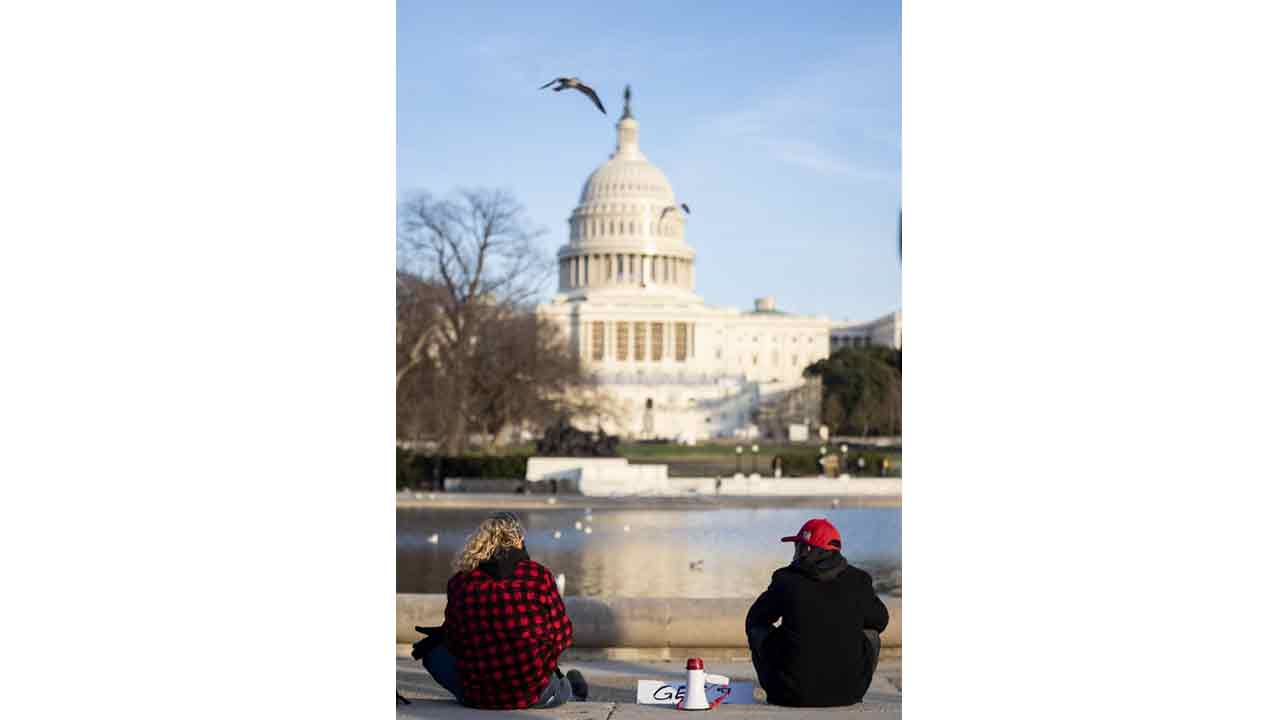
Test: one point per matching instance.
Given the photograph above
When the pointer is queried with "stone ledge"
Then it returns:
(635, 622)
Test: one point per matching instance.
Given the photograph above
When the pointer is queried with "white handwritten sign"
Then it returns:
(661, 692)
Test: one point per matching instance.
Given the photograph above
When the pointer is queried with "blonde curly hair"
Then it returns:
(500, 530)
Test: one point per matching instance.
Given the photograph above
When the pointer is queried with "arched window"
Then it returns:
(610, 227)
(633, 227)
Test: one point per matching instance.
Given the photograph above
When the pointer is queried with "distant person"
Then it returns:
(826, 649)
(504, 627)
(862, 465)
(884, 467)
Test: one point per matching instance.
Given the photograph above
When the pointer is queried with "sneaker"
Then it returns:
(578, 683)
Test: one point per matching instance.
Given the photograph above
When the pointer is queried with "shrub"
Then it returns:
(804, 463)
(414, 471)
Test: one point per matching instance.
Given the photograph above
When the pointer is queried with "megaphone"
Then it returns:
(695, 687)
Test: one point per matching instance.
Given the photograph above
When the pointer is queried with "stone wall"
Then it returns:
(636, 622)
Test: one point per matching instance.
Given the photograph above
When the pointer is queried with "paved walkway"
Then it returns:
(511, 501)
(613, 694)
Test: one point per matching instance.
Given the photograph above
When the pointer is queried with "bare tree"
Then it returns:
(526, 374)
(471, 345)
(419, 374)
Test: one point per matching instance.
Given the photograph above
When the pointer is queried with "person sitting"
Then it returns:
(826, 649)
(504, 628)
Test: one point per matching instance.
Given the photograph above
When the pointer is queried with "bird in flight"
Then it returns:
(576, 84)
(669, 208)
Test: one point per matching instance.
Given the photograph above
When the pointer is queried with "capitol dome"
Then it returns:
(627, 175)
(619, 236)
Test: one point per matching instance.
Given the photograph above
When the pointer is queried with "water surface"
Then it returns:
(694, 553)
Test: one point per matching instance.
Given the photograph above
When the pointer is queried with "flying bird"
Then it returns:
(669, 208)
(575, 84)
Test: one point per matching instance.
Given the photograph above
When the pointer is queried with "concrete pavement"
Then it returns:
(509, 501)
(613, 694)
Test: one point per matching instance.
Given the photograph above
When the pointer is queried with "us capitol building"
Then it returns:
(670, 365)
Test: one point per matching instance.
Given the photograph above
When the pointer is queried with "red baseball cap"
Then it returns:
(819, 533)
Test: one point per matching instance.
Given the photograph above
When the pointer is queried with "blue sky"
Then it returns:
(780, 128)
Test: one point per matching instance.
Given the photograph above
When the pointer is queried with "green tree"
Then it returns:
(867, 385)
(833, 414)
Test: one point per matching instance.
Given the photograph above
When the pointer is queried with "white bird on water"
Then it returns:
(556, 534)
(626, 528)
(577, 524)
(433, 538)
(587, 530)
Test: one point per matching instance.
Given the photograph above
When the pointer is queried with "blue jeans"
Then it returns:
(444, 668)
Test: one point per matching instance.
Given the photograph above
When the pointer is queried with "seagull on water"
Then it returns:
(575, 84)
(433, 538)
(669, 208)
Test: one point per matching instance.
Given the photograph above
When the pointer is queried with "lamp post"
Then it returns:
(755, 453)
(844, 458)
(739, 451)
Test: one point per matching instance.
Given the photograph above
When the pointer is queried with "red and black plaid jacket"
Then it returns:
(506, 634)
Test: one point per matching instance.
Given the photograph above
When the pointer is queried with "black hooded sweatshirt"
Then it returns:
(819, 656)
